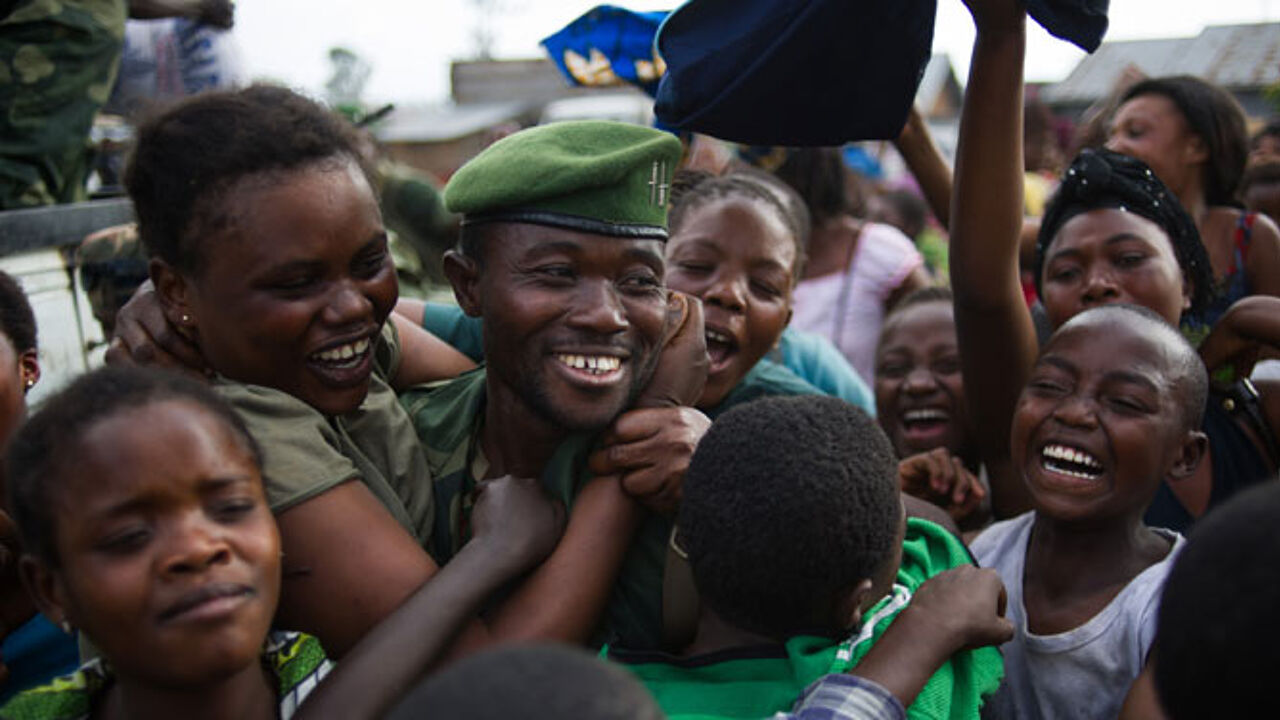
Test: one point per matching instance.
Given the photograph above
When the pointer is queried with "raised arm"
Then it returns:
(515, 523)
(423, 356)
(1262, 268)
(997, 340)
(927, 165)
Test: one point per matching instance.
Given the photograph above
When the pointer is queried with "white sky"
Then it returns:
(410, 42)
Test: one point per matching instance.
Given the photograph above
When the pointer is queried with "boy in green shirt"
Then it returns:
(795, 533)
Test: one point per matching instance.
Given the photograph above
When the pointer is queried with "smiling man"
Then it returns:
(561, 255)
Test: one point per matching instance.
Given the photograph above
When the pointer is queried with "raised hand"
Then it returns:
(650, 446)
(144, 336)
(964, 607)
(514, 519)
(942, 479)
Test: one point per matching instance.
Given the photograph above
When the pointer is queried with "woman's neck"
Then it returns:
(249, 695)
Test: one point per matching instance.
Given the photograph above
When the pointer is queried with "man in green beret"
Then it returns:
(561, 254)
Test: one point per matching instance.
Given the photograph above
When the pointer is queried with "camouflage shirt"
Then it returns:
(448, 420)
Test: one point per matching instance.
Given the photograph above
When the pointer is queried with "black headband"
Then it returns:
(1099, 179)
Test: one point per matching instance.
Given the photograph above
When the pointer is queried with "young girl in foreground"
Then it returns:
(140, 502)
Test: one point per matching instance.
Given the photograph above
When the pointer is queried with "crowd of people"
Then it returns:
(689, 443)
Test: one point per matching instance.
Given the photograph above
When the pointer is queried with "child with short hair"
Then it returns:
(1218, 642)
(794, 529)
(1111, 411)
(139, 499)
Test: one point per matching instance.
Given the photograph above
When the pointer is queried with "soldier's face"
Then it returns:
(573, 321)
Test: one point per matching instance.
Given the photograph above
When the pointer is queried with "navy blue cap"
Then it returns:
(793, 72)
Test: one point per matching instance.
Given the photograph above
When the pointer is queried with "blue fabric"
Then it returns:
(609, 46)
(36, 653)
(793, 72)
(845, 697)
(818, 362)
(1081, 22)
(450, 324)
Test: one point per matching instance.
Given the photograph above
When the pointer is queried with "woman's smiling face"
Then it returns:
(738, 256)
(919, 389)
(293, 293)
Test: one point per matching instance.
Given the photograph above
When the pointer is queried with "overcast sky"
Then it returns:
(410, 42)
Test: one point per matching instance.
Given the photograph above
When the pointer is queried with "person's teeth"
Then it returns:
(344, 352)
(593, 364)
(714, 336)
(925, 414)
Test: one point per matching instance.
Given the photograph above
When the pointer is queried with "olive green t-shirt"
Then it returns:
(306, 453)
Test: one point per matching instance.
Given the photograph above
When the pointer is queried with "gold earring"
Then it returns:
(29, 383)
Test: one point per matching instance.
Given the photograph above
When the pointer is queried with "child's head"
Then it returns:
(737, 244)
(139, 500)
(1114, 233)
(19, 357)
(530, 681)
(791, 516)
(919, 389)
(1112, 408)
(1217, 638)
(267, 245)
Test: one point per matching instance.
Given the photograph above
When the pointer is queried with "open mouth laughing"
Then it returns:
(721, 348)
(345, 364)
(1071, 462)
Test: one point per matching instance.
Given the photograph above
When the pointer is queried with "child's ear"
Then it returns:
(464, 276)
(1194, 446)
(855, 601)
(45, 588)
(29, 368)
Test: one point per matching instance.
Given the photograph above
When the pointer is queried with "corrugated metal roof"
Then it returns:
(1233, 56)
(438, 123)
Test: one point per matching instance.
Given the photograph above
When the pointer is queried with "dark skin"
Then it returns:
(22, 372)
(579, 294)
(381, 550)
(1083, 550)
(1150, 127)
(958, 609)
(515, 528)
(997, 339)
(1122, 409)
(345, 533)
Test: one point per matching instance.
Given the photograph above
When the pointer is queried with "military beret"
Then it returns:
(594, 176)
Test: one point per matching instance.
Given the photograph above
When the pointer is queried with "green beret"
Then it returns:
(593, 176)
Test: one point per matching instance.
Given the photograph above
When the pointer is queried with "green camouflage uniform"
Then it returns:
(112, 265)
(58, 61)
(422, 230)
(448, 418)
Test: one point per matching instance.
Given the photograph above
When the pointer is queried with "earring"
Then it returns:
(29, 383)
(186, 319)
(65, 626)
